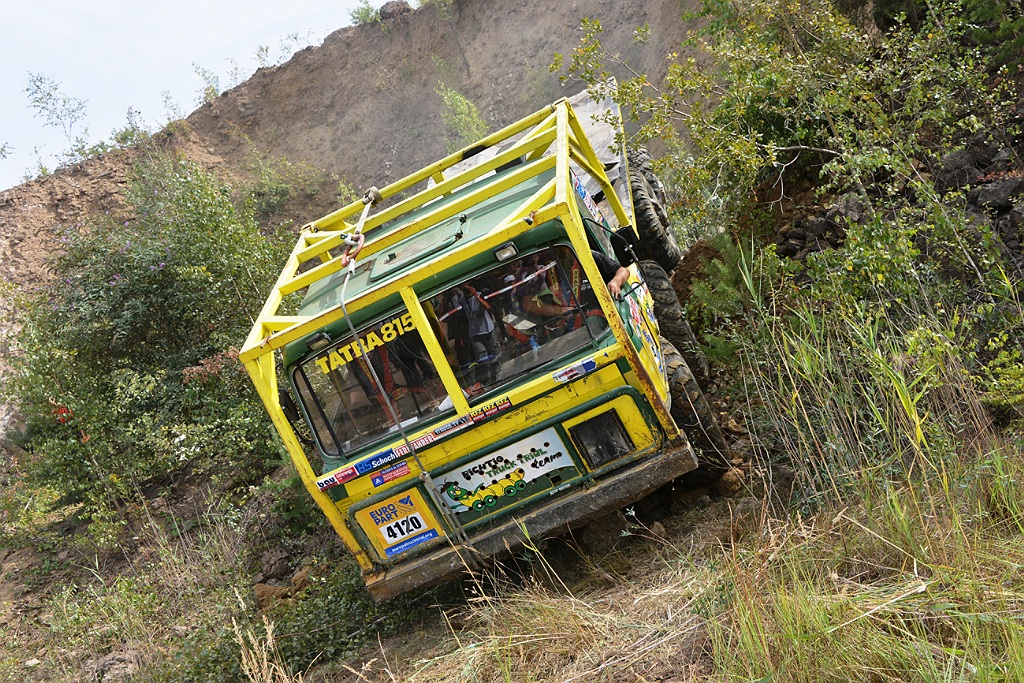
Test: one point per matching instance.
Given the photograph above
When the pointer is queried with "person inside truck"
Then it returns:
(480, 330)
(544, 294)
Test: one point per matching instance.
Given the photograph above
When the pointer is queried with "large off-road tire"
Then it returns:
(671, 322)
(657, 240)
(693, 414)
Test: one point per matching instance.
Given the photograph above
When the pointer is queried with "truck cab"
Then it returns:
(467, 379)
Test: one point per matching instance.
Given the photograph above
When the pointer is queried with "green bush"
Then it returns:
(277, 181)
(461, 117)
(364, 13)
(791, 83)
(125, 369)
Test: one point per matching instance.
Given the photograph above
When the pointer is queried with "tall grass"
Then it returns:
(905, 563)
(179, 586)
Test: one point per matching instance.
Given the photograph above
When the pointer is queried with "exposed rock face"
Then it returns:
(817, 233)
(394, 9)
(966, 166)
(999, 194)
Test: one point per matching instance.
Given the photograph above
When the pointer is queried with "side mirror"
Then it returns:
(291, 413)
(625, 241)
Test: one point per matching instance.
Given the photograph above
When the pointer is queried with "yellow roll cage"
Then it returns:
(550, 138)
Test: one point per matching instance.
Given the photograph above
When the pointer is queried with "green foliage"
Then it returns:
(333, 618)
(133, 133)
(57, 109)
(276, 181)
(442, 7)
(998, 26)
(126, 373)
(364, 13)
(793, 78)
(5, 150)
(211, 84)
(461, 117)
(346, 192)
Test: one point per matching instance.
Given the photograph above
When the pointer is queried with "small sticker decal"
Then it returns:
(588, 201)
(390, 474)
(336, 478)
(377, 461)
(575, 371)
(416, 443)
(453, 426)
(490, 410)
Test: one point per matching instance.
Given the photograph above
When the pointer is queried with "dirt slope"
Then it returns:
(362, 105)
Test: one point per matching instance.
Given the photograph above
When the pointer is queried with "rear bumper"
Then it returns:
(565, 511)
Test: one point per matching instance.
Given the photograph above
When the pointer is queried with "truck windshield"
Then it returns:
(501, 324)
(494, 328)
(346, 406)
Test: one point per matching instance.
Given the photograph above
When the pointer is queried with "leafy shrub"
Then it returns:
(333, 618)
(125, 370)
(795, 79)
(462, 118)
(276, 181)
(364, 13)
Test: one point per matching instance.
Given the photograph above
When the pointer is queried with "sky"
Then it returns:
(118, 55)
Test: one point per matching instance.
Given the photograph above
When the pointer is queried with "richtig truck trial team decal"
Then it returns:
(504, 473)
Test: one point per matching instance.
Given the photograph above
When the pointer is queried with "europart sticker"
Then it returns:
(336, 478)
(490, 410)
(576, 370)
(390, 474)
(399, 523)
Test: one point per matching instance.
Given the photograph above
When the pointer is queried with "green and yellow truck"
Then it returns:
(446, 365)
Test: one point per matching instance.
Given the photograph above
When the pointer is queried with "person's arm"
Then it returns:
(476, 295)
(615, 274)
(616, 283)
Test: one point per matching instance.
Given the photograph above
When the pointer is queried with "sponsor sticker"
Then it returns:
(588, 201)
(336, 478)
(375, 462)
(390, 474)
(576, 370)
(490, 410)
(503, 474)
(399, 523)
(416, 443)
(453, 426)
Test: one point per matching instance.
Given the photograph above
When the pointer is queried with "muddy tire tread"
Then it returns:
(657, 241)
(671, 321)
(693, 414)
